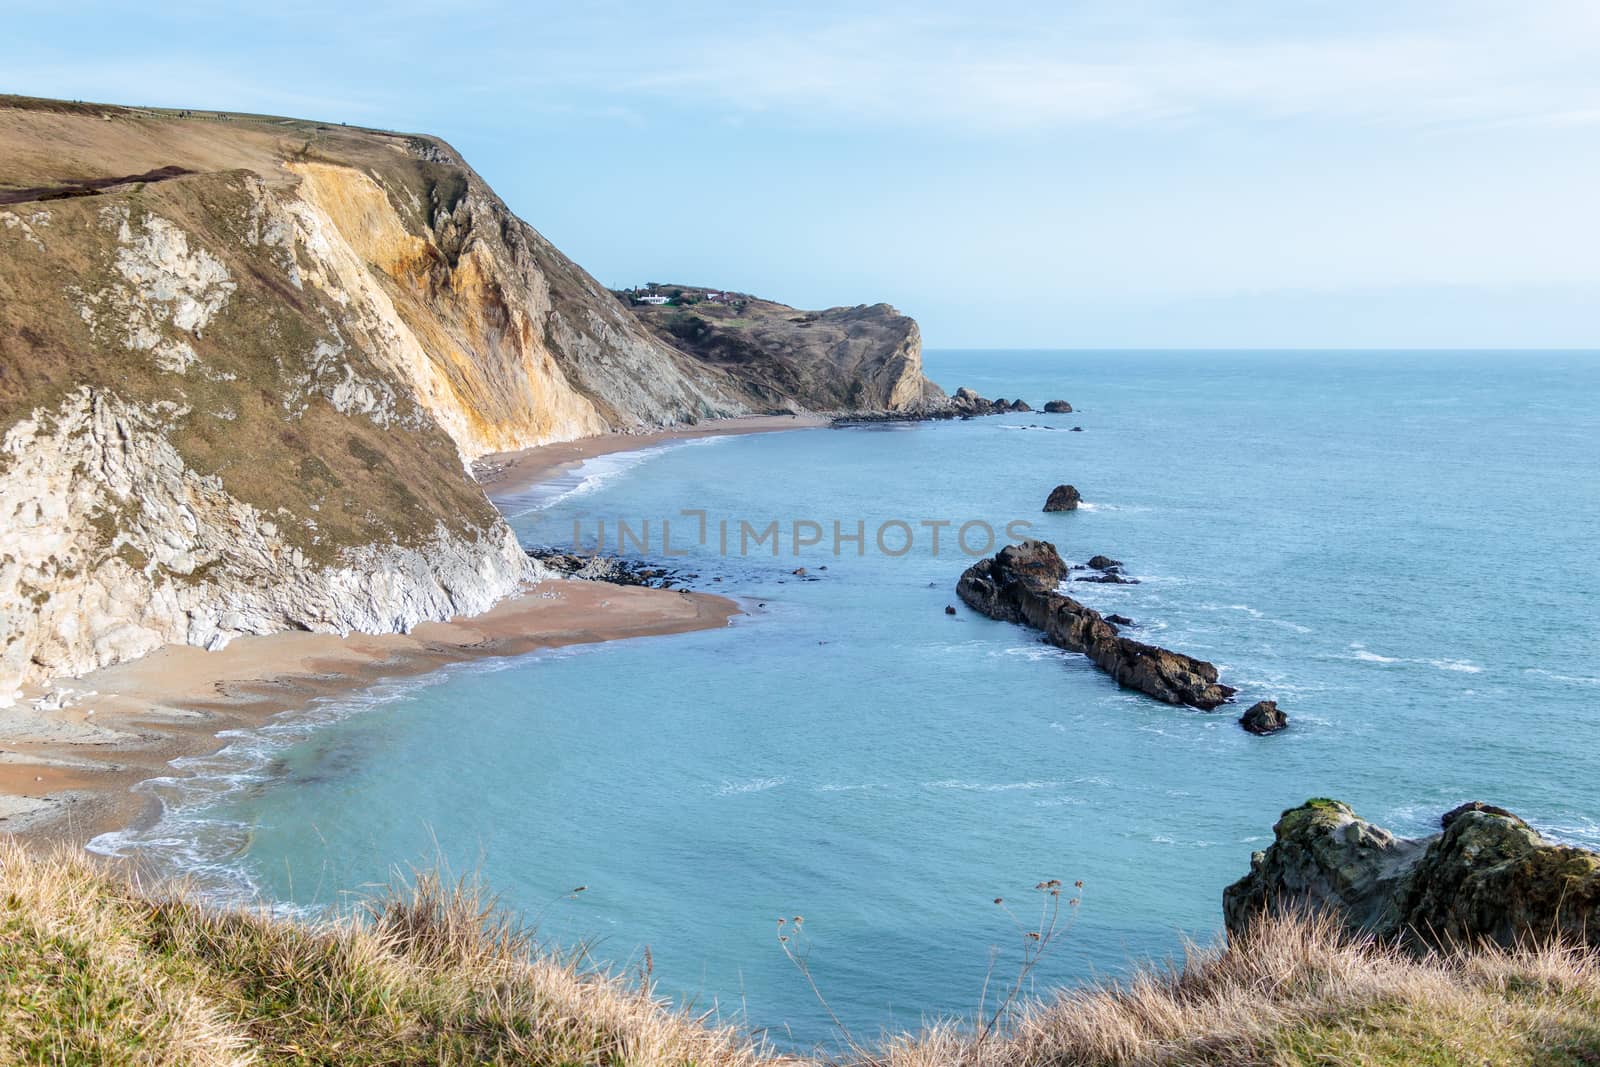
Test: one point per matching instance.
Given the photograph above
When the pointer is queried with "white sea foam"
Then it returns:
(1464, 666)
(1570, 679)
(1091, 505)
(749, 785)
(188, 838)
(1031, 652)
(990, 787)
(1372, 657)
(588, 476)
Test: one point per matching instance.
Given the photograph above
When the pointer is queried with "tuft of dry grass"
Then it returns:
(1300, 990)
(95, 969)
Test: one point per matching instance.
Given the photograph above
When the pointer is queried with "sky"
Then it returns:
(1233, 173)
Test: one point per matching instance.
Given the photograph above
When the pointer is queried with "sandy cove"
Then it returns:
(66, 772)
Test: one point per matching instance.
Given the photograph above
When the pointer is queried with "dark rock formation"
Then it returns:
(1120, 620)
(1488, 876)
(1077, 429)
(1263, 717)
(1105, 563)
(1058, 407)
(1018, 584)
(610, 569)
(1109, 578)
(1063, 498)
(966, 403)
(949, 609)
(1020, 405)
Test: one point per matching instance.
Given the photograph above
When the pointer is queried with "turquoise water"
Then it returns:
(1399, 547)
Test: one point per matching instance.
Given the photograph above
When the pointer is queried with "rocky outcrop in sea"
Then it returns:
(1019, 584)
(1063, 498)
(1486, 876)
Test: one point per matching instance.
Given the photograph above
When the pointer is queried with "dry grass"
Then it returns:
(1301, 991)
(94, 970)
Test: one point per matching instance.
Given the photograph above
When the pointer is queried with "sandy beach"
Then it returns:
(70, 753)
(66, 773)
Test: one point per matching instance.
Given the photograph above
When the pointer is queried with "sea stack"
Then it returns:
(1263, 717)
(1063, 498)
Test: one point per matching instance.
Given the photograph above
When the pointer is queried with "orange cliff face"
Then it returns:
(463, 333)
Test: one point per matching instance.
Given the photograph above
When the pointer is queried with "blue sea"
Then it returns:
(1399, 547)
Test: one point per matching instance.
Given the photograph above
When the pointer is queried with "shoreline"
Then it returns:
(66, 775)
(67, 772)
(504, 474)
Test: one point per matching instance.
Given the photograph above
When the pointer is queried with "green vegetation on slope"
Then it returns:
(95, 970)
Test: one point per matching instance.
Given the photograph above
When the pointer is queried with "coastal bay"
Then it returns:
(852, 753)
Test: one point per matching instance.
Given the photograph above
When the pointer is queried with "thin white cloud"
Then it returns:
(1447, 63)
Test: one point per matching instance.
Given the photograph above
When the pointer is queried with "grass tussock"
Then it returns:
(1301, 991)
(95, 970)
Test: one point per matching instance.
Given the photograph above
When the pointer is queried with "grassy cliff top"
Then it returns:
(96, 970)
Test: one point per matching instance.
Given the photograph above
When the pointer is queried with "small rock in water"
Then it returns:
(1058, 407)
(1077, 429)
(1264, 718)
(801, 571)
(1105, 563)
(1063, 498)
(949, 609)
(1120, 620)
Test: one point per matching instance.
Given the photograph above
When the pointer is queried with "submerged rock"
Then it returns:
(1263, 717)
(1019, 584)
(1487, 876)
(1063, 498)
(1058, 407)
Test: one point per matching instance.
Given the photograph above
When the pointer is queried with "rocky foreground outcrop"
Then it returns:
(1019, 584)
(1486, 876)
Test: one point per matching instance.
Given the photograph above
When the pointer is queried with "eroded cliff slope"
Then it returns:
(244, 362)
